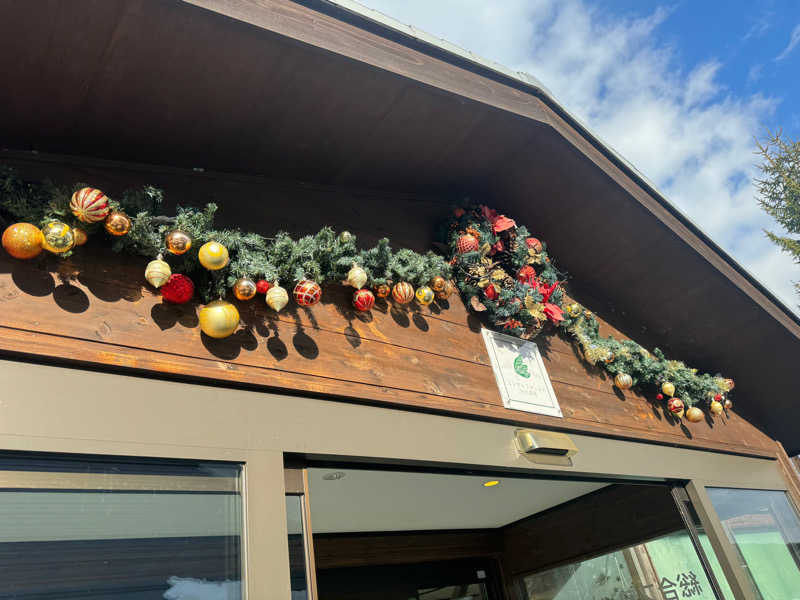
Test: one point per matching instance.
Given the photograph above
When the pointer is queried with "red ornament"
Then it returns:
(262, 287)
(467, 243)
(527, 275)
(179, 289)
(459, 212)
(675, 406)
(307, 292)
(718, 397)
(363, 300)
(659, 396)
(533, 244)
(491, 292)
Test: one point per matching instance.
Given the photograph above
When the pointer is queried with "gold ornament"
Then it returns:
(694, 414)
(610, 357)
(668, 389)
(623, 381)
(449, 288)
(58, 237)
(157, 272)
(424, 295)
(219, 319)
(382, 291)
(118, 223)
(345, 237)
(356, 277)
(729, 384)
(574, 309)
(277, 297)
(244, 288)
(23, 240)
(728, 404)
(213, 256)
(438, 284)
(178, 242)
(81, 237)
(716, 407)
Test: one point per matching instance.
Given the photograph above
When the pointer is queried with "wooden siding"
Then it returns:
(95, 309)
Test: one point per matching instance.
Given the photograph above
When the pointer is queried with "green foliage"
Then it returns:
(779, 190)
(325, 257)
(519, 308)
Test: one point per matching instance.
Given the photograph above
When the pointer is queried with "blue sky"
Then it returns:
(678, 88)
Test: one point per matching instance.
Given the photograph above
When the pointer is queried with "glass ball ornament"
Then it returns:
(574, 310)
(179, 289)
(715, 407)
(668, 389)
(363, 300)
(244, 289)
(58, 237)
(81, 237)
(23, 240)
(213, 256)
(727, 403)
(218, 319)
(262, 286)
(307, 292)
(277, 298)
(623, 381)
(694, 415)
(467, 243)
(403, 292)
(383, 290)
(118, 223)
(438, 284)
(89, 205)
(345, 237)
(449, 288)
(730, 384)
(424, 295)
(675, 406)
(178, 242)
(157, 272)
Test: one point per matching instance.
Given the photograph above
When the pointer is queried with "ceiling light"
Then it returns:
(491, 483)
(334, 476)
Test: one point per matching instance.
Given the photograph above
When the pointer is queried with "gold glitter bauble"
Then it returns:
(58, 237)
(118, 223)
(277, 297)
(574, 309)
(81, 237)
(218, 319)
(178, 242)
(716, 407)
(244, 288)
(157, 272)
(449, 288)
(23, 240)
(438, 283)
(694, 415)
(623, 381)
(213, 256)
(424, 295)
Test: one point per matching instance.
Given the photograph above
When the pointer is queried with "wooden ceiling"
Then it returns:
(277, 89)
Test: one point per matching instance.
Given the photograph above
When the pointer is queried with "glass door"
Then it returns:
(302, 571)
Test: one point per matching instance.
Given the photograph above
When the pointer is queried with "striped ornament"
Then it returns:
(403, 292)
(363, 300)
(89, 205)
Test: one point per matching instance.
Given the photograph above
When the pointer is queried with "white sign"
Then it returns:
(520, 373)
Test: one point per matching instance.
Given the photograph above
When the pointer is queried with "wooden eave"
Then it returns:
(309, 91)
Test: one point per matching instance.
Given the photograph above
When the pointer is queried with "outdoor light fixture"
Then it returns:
(334, 476)
(491, 483)
(545, 447)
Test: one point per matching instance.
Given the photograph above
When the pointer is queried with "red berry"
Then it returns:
(262, 287)
(659, 396)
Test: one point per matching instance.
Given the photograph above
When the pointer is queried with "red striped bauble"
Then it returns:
(403, 292)
(363, 300)
(89, 205)
(307, 292)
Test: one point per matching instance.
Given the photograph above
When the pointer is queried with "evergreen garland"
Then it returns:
(324, 257)
(512, 280)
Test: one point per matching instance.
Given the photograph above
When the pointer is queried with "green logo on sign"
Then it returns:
(520, 367)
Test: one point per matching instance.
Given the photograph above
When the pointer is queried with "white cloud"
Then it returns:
(680, 127)
(794, 39)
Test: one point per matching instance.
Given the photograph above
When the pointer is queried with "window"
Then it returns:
(120, 530)
(765, 530)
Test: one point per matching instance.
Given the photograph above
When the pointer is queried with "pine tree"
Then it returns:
(779, 190)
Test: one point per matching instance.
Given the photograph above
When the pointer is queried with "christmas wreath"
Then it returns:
(507, 275)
